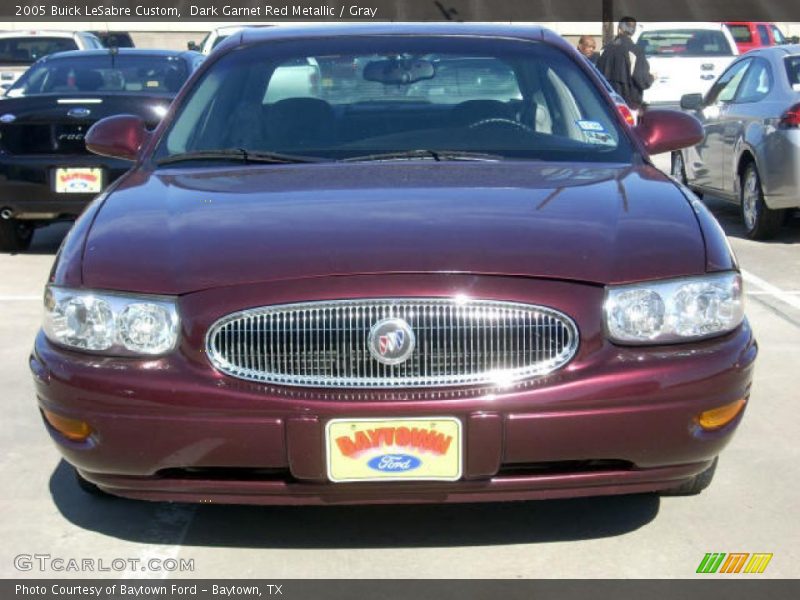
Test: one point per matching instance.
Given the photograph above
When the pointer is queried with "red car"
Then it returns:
(419, 285)
(753, 34)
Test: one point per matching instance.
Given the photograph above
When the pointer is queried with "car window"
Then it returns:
(777, 35)
(97, 74)
(724, 89)
(763, 35)
(685, 42)
(27, 50)
(513, 99)
(793, 70)
(756, 83)
(741, 33)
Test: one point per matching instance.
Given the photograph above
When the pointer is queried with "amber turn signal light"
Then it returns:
(72, 429)
(720, 416)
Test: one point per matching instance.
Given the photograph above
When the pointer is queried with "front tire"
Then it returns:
(15, 236)
(696, 484)
(760, 221)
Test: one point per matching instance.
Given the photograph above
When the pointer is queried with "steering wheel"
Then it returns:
(501, 121)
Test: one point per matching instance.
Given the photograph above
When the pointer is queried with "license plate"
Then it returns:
(78, 180)
(413, 449)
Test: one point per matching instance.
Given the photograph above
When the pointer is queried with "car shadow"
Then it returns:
(729, 216)
(379, 526)
(47, 240)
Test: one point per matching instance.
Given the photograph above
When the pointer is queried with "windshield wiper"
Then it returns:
(237, 154)
(437, 155)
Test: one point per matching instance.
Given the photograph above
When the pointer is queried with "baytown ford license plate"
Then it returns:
(78, 180)
(413, 449)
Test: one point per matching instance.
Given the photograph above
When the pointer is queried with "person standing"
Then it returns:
(625, 65)
(588, 47)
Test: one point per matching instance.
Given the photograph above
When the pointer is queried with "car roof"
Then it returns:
(254, 35)
(119, 52)
(39, 33)
(781, 51)
(681, 25)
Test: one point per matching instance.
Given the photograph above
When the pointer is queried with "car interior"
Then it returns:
(549, 112)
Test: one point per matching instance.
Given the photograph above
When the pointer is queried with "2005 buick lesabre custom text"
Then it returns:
(444, 271)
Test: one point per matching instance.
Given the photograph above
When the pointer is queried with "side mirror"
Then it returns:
(795, 39)
(692, 101)
(120, 136)
(664, 130)
(192, 46)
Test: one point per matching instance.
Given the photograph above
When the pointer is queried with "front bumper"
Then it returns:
(616, 420)
(26, 185)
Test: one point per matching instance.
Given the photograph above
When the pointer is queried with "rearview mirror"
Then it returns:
(692, 101)
(120, 136)
(399, 71)
(664, 130)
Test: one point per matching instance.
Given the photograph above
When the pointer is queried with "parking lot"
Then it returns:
(751, 507)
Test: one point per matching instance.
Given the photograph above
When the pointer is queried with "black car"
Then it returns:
(46, 173)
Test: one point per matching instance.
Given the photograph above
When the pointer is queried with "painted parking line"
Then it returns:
(165, 532)
(19, 298)
(771, 290)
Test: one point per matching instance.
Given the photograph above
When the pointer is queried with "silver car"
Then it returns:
(751, 152)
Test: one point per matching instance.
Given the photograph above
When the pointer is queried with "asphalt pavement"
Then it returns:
(750, 507)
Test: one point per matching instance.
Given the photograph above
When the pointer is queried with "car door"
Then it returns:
(705, 161)
(743, 112)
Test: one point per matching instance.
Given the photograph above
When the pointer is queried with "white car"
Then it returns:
(297, 78)
(685, 58)
(215, 36)
(20, 49)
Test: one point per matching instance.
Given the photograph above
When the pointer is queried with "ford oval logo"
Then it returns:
(391, 341)
(394, 463)
(8, 118)
(79, 112)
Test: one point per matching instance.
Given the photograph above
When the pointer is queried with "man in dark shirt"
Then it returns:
(625, 66)
(588, 47)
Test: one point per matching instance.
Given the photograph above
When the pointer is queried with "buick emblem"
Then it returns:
(391, 341)
(79, 112)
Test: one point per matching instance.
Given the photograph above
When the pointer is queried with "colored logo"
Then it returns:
(79, 112)
(394, 463)
(391, 341)
(734, 562)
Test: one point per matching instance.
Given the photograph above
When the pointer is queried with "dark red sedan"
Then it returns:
(449, 274)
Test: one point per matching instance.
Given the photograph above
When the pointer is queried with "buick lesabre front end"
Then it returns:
(450, 275)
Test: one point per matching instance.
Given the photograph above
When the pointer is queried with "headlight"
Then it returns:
(676, 310)
(107, 323)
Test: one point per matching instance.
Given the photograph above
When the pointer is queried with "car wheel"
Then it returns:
(88, 487)
(760, 221)
(678, 170)
(15, 236)
(696, 484)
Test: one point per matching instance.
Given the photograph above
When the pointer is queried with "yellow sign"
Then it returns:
(413, 449)
(79, 180)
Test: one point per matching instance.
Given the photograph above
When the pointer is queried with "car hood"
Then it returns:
(174, 231)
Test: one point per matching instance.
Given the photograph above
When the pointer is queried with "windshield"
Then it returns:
(685, 42)
(27, 50)
(104, 73)
(339, 99)
(741, 33)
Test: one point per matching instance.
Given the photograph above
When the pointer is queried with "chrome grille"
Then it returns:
(325, 344)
